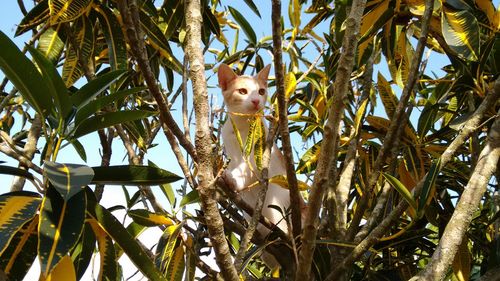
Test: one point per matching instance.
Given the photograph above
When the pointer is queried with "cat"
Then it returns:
(247, 95)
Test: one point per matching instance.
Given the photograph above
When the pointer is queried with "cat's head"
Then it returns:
(243, 94)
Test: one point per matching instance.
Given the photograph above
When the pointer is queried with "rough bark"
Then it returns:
(203, 142)
(329, 147)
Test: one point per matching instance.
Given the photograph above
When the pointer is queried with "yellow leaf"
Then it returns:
(64, 270)
(282, 181)
(290, 84)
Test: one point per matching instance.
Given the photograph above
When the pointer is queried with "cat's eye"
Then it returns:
(262, 91)
(242, 91)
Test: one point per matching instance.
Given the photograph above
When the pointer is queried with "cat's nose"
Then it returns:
(255, 103)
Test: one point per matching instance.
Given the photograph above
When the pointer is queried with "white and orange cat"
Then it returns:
(247, 95)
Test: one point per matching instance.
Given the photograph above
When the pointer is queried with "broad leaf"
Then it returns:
(108, 265)
(64, 270)
(402, 190)
(6, 170)
(93, 88)
(35, 16)
(50, 44)
(16, 209)
(81, 254)
(308, 161)
(60, 225)
(54, 82)
(109, 119)
(21, 252)
(115, 39)
(123, 238)
(461, 32)
(84, 40)
(247, 28)
(190, 198)
(25, 77)
(132, 175)
(67, 10)
(68, 179)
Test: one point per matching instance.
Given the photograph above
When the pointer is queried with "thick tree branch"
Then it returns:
(295, 200)
(329, 146)
(203, 142)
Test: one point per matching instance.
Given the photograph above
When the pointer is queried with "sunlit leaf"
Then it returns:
(147, 218)
(190, 198)
(35, 16)
(16, 209)
(462, 263)
(64, 270)
(461, 32)
(50, 44)
(85, 43)
(67, 10)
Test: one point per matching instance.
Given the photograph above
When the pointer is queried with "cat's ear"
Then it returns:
(263, 74)
(226, 75)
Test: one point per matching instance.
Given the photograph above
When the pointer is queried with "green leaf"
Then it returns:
(82, 253)
(308, 161)
(16, 209)
(60, 225)
(175, 269)
(427, 119)
(51, 45)
(115, 39)
(168, 191)
(54, 82)
(135, 230)
(67, 10)
(68, 179)
(93, 88)
(159, 42)
(20, 254)
(13, 171)
(461, 32)
(94, 106)
(210, 20)
(35, 16)
(192, 197)
(247, 28)
(401, 189)
(132, 175)
(24, 76)
(108, 119)
(252, 6)
(429, 187)
(147, 218)
(122, 237)
(79, 149)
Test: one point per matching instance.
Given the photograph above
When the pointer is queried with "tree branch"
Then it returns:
(203, 142)
(470, 126)
(295, 200)
(329, 146)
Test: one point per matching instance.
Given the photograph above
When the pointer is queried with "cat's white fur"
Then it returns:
(247, 95)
